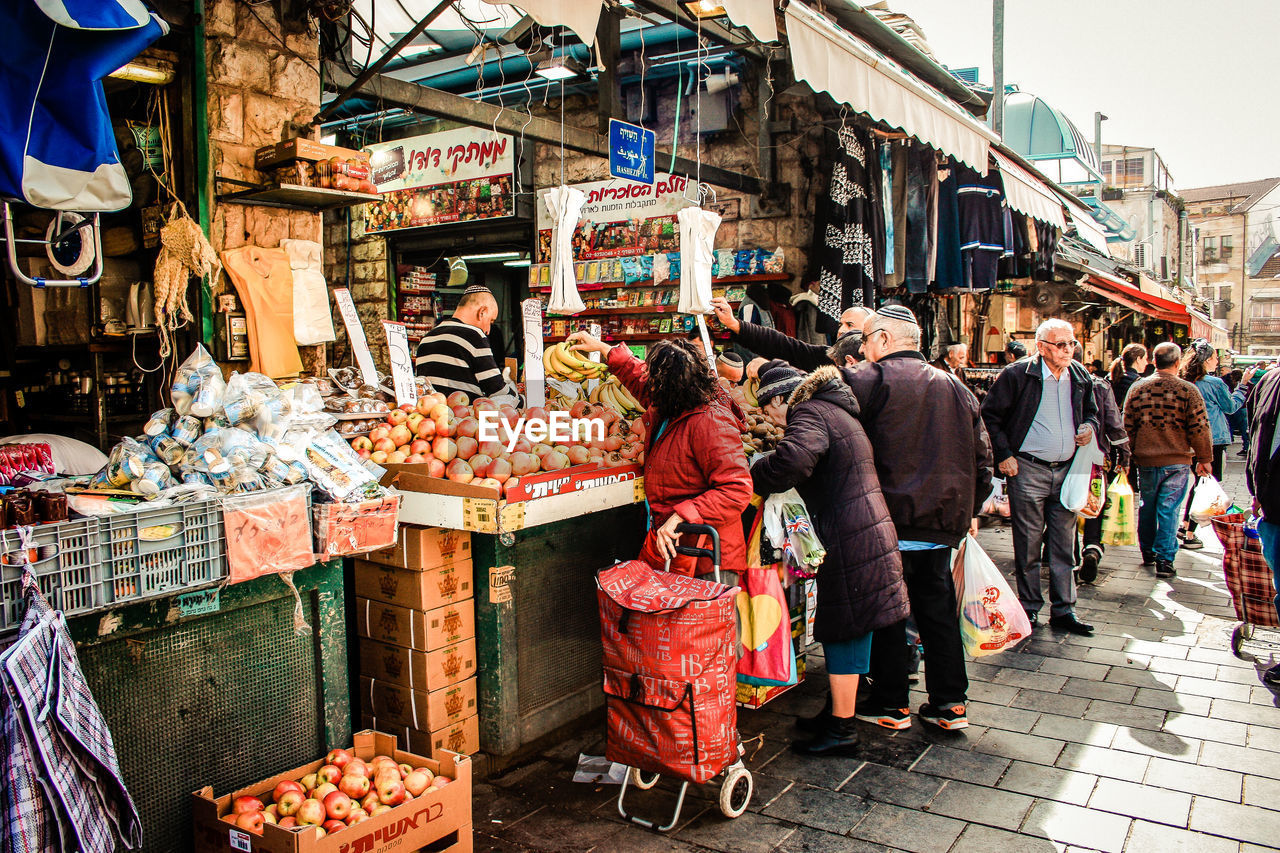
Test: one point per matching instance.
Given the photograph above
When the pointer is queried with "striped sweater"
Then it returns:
(455, 356)
(1166, 422)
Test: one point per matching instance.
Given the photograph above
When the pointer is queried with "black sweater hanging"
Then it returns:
(848, 236)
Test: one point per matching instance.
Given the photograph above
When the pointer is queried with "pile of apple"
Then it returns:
(442, 432)
(342, 793)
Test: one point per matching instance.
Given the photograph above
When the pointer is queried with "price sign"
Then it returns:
(401, 363)
(355, 334)
(535, 390)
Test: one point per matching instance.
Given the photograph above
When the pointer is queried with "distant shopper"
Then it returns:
(1038, 411)
(1114, 442)
(805, 306)
(1014, 351)
(934, 463)
(826, 456)
(1262, 473)
(1095, 368)
(1126, 370)
(694, 466)
(1169, 430)
(729, 366)
(953, 360)
(1238, 422)
(1198, 368)
(456, 354)
(770, 343)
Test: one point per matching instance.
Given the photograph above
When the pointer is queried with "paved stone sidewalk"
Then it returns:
(1148, 736)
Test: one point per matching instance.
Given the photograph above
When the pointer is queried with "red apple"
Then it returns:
(426, 429)
(361, 442)
(311, 813)
(440, 781)
(458, 398)
(323, 790)
(415, 418)
(459, 471)
(415, 459)
(484, 404)
(444, 449)
(357, 816)
(272, 810)
(441, 412)
(540, 450)
(425, 405)
(244, 805)
(364, 454)
(287, 785)
(397, 457)
(416, 782)
(469, 426)
(337, 805)
(251, 821)
(308, 782)
(370, 802)
(354, 786)
(391, 792)
(380, 808)
(522, 445)
(270, 817)
(578, 455)
(384, 445)
(418, 445)
(466, 447)
(379, 432)
(445, 426)
(562, 448)
(523, 463)
(334, 825)
(401, 435)
(230, 817)
(288, 822)
(489, 483)
(479, 463)
(435, 468)
(500, 469)
(396, 417)
(357, 767)
(510, 484)
(492, 449)
(555, 461)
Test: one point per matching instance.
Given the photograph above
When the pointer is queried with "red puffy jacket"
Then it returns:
(695, 468)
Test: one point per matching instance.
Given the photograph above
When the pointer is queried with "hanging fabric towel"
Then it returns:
(564, 204)
(57, 148)
(312, 319)
(697, 237)
(62, 779)
(264, 281)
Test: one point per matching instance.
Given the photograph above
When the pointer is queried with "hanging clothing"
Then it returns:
(312, 317)
(848, 237)
(891, 274)
(921, 218)
(1046, 247)
(264, 280)
(1017, 263)
(805, 305)
(949, 267)
(900, 209)
(982, 225)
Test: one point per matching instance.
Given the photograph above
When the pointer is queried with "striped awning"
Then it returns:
(1028, 194)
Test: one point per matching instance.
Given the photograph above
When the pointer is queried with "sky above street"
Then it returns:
(1193, 79)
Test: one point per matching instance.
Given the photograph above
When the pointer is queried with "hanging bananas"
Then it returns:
(560, 362)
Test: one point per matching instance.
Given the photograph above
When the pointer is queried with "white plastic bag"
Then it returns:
(1208, 499)
(991, 617)
(1075, 488)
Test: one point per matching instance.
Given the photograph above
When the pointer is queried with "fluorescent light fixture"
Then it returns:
(523, 262)
(494, 256)
(156, 75)
(704, 9)
(560, 68)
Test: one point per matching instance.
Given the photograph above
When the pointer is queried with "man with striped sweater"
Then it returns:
(455, 355)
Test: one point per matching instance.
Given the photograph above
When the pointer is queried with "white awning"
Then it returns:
(1027, 193)
(853, 72)
(756, 15)
(1090, 231)
(581, 16)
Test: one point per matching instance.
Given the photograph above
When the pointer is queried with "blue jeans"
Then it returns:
(1270, 535)
(1163, 490)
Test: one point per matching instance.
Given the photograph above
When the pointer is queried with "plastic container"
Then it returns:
(67, 568)
(161, 550)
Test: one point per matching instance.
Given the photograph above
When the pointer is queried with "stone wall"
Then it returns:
(361, 266)
(264, 86)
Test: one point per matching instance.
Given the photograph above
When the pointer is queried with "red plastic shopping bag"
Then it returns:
(991, 617)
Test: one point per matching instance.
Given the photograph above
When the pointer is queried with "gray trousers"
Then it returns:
(1040, 521)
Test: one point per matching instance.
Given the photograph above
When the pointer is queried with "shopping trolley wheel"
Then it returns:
(639, 779)
(735, 792)
(1242, 632)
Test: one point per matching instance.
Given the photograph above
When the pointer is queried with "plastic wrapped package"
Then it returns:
(16, 459)
(336, 470)
(198, 385)
(661, 268)
(124, 465)
(345, 529)
(159, 422)
(247, 395)
(267, 533)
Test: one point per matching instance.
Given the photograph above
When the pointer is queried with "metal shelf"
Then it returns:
(293, 196)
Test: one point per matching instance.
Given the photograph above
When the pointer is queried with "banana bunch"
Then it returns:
(749, 389)
(611, 393)
(560, 362)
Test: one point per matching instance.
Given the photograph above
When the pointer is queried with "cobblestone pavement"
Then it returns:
(1148, 736)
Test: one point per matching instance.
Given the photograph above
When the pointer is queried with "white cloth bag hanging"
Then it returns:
(697, 237)
(312, 319)
(564, 204)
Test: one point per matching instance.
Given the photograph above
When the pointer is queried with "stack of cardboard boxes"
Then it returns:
(415, 616)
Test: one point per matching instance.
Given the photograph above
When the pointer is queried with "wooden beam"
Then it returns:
(608, 85)
(446, 105)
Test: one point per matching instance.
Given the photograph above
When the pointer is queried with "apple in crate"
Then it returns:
(288, 822)
(286, 785)
(354, 786)
(289, 802)
(391, 792)
(251, 822)
(339, 758)
(243, 805)
(337, 805)
(332, 826)
(396, 417)
(311, 813)
(357, 816)
(370, 802)
(323, 790)
(417, 781)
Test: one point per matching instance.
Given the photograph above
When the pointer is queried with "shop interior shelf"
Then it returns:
(626, 309)
(293, 196)
(672, 282)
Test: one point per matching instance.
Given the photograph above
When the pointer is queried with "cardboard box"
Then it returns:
(419, 548)
(464, 736)
(416, 629)
(755, 696)
(299, 148)
(420, 670)
(440, 819)
(426, 590)
(418, 709)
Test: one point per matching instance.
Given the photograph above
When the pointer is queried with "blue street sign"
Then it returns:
(631, 151)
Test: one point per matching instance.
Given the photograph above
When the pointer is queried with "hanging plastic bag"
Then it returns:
(764, 630)
(787, 525)
(1120, 518)
(564, 204)
(991, 617)
(697, 235)
(1209, 500)
(1078, 488)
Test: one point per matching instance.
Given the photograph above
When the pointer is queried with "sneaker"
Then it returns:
(1272, 676)
(1164, 569)
(889, 718)
(1148, 560)
(1089, 565)
(949, 719)
(1190, 543)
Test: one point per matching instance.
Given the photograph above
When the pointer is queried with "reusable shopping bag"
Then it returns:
(787, 525)
(991, 617)
(1082, 488)
(764, 630)
(1120, 518)
(1209, 499)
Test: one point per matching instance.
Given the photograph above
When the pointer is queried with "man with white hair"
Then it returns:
(770, 343)
(953, 359)
(934, 464)
(1038, 411)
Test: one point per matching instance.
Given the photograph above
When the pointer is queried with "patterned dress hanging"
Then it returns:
(849, 238)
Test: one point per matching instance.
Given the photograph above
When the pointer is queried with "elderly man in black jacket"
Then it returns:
(770, 343)
(1038, 411)
(934, 463)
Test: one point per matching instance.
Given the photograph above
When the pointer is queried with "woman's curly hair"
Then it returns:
(679, 378)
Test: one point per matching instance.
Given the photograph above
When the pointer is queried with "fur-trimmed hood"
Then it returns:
(825, 383)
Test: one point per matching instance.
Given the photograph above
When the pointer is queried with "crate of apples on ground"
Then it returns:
(345, 792)
(444, 434)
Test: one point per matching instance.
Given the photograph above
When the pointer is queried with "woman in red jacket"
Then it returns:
(694, 468)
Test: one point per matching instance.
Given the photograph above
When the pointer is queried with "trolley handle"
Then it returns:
(712, 553)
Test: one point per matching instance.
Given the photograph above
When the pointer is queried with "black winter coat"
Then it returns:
(1011, 405)
(826, 457)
